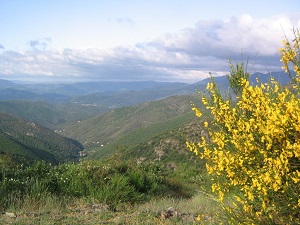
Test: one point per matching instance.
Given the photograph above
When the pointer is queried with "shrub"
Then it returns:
(253, 146)
(114, 182)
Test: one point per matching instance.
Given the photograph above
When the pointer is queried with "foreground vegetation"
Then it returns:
(94, 192)
(149, 168)
(112, 183)
(78, 211)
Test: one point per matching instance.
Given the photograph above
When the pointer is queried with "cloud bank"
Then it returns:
(187, 56)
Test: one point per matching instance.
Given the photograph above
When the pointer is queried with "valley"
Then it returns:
(72, 144)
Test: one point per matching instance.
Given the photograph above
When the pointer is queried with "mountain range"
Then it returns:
(55, 122)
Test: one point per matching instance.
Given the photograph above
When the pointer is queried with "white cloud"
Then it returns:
(186, 56)
(225, 38)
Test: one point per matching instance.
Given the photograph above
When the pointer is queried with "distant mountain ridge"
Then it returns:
(222, 81)
(63, 92)
(54, 110)
(6, 84)
(82, 88)
(66, 103)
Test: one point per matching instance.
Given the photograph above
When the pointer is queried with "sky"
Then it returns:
(131, 40)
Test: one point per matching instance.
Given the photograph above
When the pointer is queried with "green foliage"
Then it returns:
(237, 73)
(113, 182)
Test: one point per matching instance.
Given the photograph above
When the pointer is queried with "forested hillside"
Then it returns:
(118, 122)
(29, 141)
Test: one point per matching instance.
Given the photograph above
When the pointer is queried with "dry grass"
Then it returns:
(83, 212)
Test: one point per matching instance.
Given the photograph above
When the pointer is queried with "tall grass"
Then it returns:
(113, 182)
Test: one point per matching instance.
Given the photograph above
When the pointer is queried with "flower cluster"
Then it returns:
(253, 146)
(290, 55)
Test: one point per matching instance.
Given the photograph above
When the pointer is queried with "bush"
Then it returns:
(113, 182)
(253, 146)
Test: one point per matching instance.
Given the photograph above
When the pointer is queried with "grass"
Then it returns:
(201, 204)
(107, 192)
(79, 211)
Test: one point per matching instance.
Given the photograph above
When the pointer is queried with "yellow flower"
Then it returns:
(197, 112)
(254, 140)
(205, 124)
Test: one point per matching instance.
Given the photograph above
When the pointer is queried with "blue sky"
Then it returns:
(163, 40)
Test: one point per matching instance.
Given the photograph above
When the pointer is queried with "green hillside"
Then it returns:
(58, 115)
(27, 140)
(101, 129)
(169, 146)
(142, 136)
(153, 131)
(39, 112)
(52, 116)
(14, 151)
(127, 126)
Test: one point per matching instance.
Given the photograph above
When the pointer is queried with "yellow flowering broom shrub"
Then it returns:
(253, 144)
